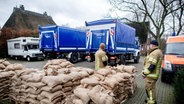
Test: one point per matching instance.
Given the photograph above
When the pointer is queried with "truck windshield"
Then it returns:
(32, 46)
(175, 49)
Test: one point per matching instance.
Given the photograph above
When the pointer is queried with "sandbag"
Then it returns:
(104, 71)
(56, 80)
(89, 81)
(52, 89)
(82, 93)
(52, 96)
(2, 66)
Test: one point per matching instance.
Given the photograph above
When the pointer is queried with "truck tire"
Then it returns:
(123, 60)
(137, 59)
(28, 58)
(74, 58)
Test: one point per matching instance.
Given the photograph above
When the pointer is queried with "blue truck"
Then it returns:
(62, 42)
(119, 38)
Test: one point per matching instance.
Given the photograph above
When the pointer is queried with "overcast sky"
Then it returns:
(71, 12)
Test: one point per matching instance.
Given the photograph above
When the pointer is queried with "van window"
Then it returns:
(33, 46)
(17, 45)
(175, 48)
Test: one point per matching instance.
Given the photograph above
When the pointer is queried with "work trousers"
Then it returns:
(150, 85)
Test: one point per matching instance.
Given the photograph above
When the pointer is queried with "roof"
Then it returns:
(24, 19)
(172, 39)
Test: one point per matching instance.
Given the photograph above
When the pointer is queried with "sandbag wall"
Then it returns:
(111, 85)
(4, 79)
(61, 83)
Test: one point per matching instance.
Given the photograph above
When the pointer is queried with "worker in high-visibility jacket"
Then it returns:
(152, 64)
(100, 57)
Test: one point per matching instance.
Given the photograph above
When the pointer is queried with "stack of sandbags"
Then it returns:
(110, 85)
(61, 78)
(5, 76)
(26, 85)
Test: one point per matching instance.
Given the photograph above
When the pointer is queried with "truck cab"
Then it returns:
(173, 59)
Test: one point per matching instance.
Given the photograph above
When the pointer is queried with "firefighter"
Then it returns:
(150, 73)
(100, 57)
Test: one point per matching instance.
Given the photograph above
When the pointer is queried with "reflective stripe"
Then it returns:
(146, 71)
(151, 101)
(154, 61)
(156, 75)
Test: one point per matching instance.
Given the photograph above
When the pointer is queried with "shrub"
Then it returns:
(179, 86)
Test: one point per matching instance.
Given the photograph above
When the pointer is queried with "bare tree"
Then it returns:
(157, 12)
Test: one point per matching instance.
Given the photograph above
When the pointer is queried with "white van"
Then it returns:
(24, 47)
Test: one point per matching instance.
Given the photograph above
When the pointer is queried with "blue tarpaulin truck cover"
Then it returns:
(115, 34)
(60, 38)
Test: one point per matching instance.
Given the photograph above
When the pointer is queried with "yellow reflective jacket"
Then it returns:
(100, 57)
(154, 57)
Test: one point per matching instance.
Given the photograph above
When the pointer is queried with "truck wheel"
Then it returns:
(137, 59)
(122, 60)
(163, 78)
(74, 58)
(28, 58)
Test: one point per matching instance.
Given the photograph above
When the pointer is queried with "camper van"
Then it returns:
(173, 59)
(24, 47)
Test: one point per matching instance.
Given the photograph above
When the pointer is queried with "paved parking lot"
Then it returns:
(164, 91)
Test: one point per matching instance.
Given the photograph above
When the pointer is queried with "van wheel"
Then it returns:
(74, 57)
(163, 78)
(28, 58)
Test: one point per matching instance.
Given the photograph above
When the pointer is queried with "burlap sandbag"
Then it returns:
(104, 71)
(6, 63)
(55, 101)
(14, 67)
(124, 75)
(89, 71)
(130, 69)
(2, 66)
(75, 75)
(52, 89)
(63, 71)
(111, 82)
(52, 96)
(6, 74)
(84, 74)
(77, 101)
(56, 80)
(50, 72)
(98, 76)
(35, 85)
(31, 100)
(94, 94)
(68, 84)
(82, 93)
(89, 81)
(55, 67)
(25, 77)
(36, 77)
(25, 71)
(33, 91)
(67, 89)
(29, 95)
(65, 64)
